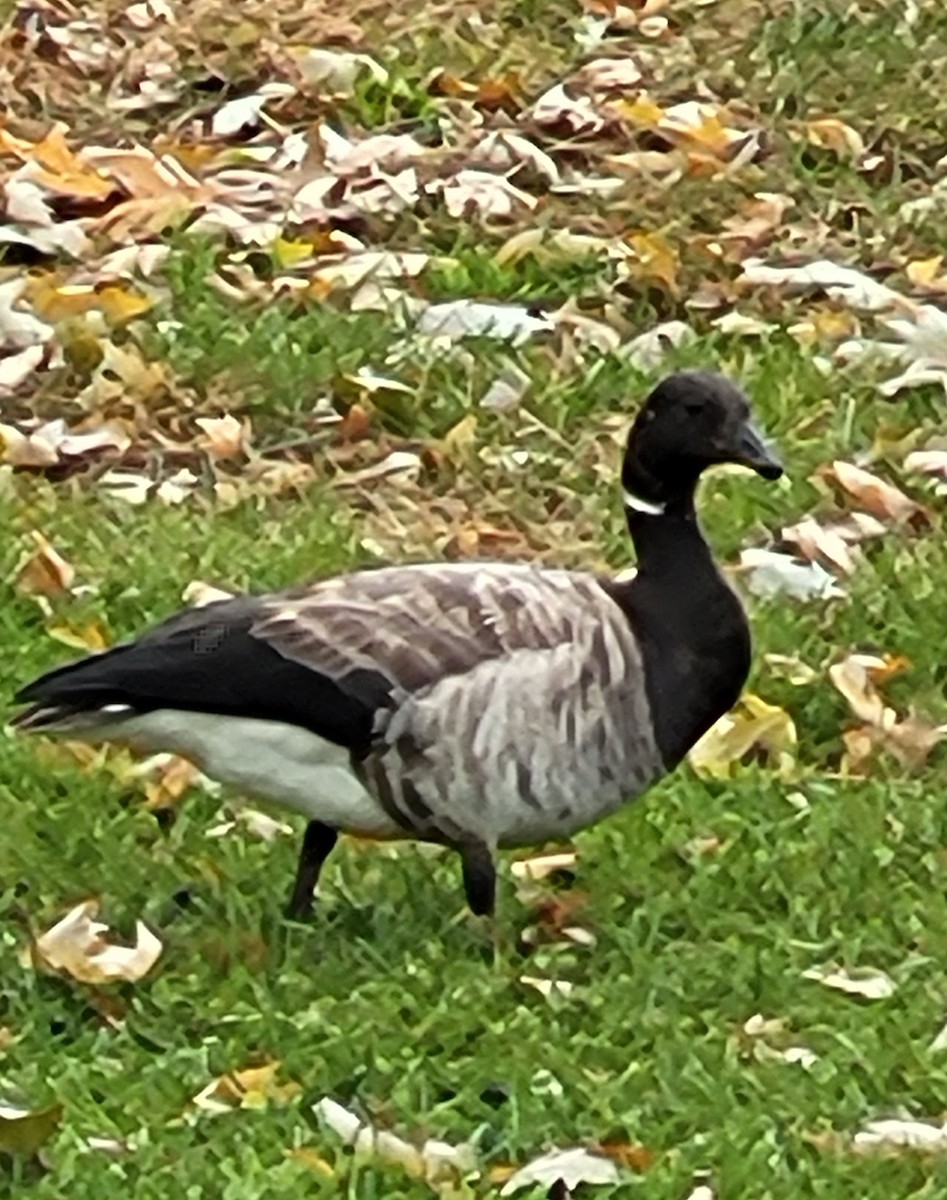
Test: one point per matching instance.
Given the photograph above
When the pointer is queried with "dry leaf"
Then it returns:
(752, 724)
(224, 437)
(77, 947)
(435, 1161)
(548, 987)
(652, 260)
(877, 497)
(771, 574)
(894, 1134)
(832, 134)
(543, 865)
(568, 1168)
(867, 982)
(252, 1087)
(43, 571)
(910, 740)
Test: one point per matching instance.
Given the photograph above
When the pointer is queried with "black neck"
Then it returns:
(692, 629)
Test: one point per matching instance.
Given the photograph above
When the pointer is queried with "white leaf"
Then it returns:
(489, 194)
(739, 325)
(457, 319)
(17, 367)
(571, 1167)
(76, 945)
(894, 1133)
(548, 987)
(867, 982)
(237, 114)
(857, 289)
(18, 328)
(543, 865)
(770, 573)
(648, 350)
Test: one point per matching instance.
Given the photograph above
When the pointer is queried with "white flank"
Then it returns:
(643, 506)
(283, 763)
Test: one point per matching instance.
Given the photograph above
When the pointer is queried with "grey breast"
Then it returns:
(516, 704)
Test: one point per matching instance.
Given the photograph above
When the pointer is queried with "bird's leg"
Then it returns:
(480, 888)
(480, 878)
(318, 841)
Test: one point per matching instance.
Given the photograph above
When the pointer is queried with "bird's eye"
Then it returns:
(694, 407)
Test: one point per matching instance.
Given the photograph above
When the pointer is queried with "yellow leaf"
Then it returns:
(460, 440)
(925, 273)
(753, 724)
(91, 636)
(253, 1087)
(308, 1157)
(641, 111)
(290, 253)
(56, 167)
(654, 259)
(23, 1132)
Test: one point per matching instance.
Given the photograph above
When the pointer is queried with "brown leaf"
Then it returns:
(629, 1154)
(909, 740)
(830, 133)
(224, 437)
(878, 497)
(43, 571)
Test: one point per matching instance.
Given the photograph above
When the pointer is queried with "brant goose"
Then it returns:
(478, 705)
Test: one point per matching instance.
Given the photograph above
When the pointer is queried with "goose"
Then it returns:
(479, 705)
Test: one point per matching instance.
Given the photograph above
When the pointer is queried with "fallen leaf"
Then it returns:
(250, 1088)
(867, 982)
(649, 349)
(771, 574)
(470, 192)
(15, 369)
(434, 1161)
(566, 1168)
(752, 724)
(457, 319)
(899, 1134)
(830, 133)
(652, 260)
(910, 740)
(77, 947)
(24, 1131)
(198, 593)
(43, 571)
(543, 865)
(877, 497)
(224, 437)
(548, 987)
(257, 824)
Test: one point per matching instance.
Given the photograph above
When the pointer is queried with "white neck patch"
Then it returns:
(643, 506)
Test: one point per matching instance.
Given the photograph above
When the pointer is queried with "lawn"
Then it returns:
(806, 839)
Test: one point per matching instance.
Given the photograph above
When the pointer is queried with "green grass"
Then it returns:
(389, 1002)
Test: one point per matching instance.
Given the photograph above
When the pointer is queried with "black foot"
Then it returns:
(318, 842)
(480, 878)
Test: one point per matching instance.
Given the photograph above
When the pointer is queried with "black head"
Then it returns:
(692, 420)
